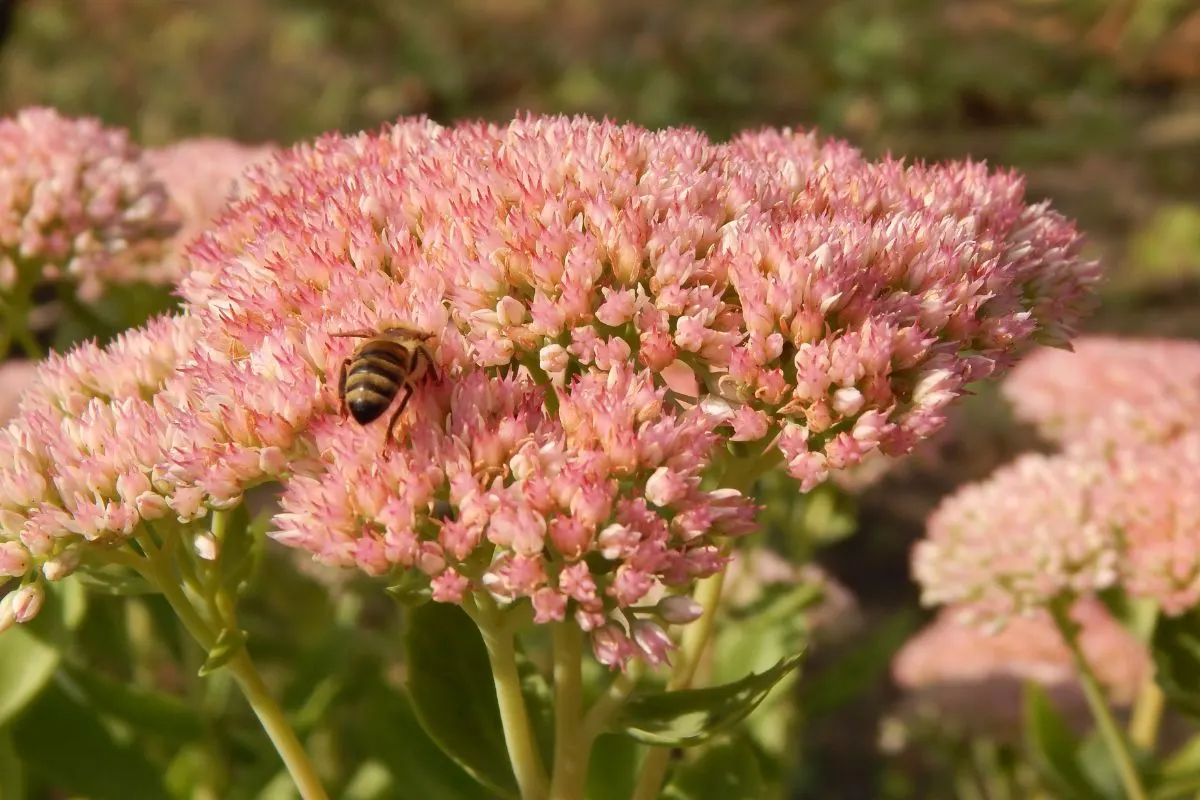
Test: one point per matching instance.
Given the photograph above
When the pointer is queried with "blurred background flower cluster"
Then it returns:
(1097, 102)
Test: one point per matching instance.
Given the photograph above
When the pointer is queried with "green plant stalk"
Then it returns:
(740, 474)
(571, 748)
(523, 751)
(1147, 714)
(691, 650)
(1114, 737)
(601, 713)
(157, 569)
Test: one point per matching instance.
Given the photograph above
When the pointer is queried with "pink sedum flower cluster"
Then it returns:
(590, 511)
(1153, 503)
(1048, 528)
(1034, 531)
(826, 304)
(87, 451)
(78, 202)
(827, 307)
(977, 679)
(1111, 392)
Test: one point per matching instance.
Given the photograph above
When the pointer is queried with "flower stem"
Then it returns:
(157, 570)
(1114, 737)
(1147, 714)
(601, 712)
(1148, 707)
(275, 723)
(514, 717)
(571, 747)
(740, 474)
(691, 650)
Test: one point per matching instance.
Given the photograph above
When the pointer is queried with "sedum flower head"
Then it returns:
(1053, 527)
(828, 304)
(1154, 506)
(960, 674)
(594, 512)
(1110, 392)
(1036, 530)
(86, 450)
(78, 202)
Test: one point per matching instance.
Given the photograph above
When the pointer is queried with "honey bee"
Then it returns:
(392, 361)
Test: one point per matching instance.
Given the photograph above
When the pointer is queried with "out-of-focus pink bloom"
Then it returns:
(201, 177)
(1110, 392)
(78, 202)
(1153, 503)
(551, 511)
(85, 454)
(835, 303)
(967, 677)
(753, 572)
(1034, 531)
(14, 377)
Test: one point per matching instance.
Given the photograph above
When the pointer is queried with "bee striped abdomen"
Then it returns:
(374, 378)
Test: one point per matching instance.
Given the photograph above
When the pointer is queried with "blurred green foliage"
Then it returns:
(1097, 102)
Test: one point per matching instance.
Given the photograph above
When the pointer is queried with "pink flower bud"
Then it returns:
(653, 641)
(664, 487)
(62, 565)
(27, 602)
(678, 609)
(14, 560)
(206, 546)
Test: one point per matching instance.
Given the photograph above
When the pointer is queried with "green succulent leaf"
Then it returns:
(728, 769)
(451, 692)
(1176, 650)
(99, 765)
(229, 642)
(1053, 749)
(688, 717)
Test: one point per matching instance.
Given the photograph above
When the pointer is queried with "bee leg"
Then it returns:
(430, 367)
(342, 373)
(408, 393)
(354, 334)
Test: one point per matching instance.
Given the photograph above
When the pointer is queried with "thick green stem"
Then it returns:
(739, 474)
(602, 711)
(158, 570)
(1147, 715)
(518, 731)
(691, 650)
(571, 748)
(1114, 737)
(1148, 708)
(275, 723)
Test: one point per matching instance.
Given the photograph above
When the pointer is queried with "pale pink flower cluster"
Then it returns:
(1046, 528)
(1153, 501)
(1034, 531)
(829, 304)
(78, 202)
(201, 177)
(596, 509)
(977, 679)
(84, 454)
(1110, 392)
